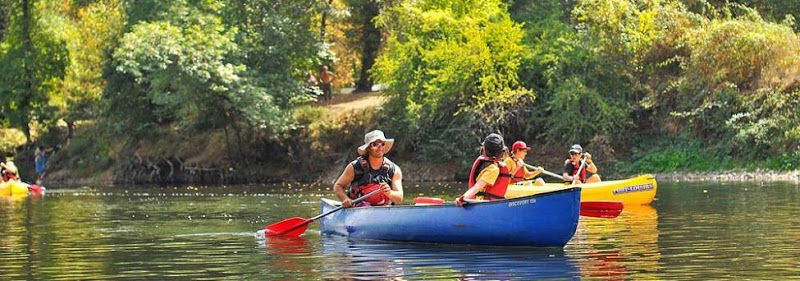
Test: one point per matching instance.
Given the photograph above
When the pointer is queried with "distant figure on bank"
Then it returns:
(40, 160)
(573, 164)
(311, 80)
(326, 78)
(371, 171)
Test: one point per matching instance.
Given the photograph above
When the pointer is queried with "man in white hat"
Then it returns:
(370, 171)
(579, 161)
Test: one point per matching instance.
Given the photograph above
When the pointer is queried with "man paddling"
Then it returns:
(371, 171)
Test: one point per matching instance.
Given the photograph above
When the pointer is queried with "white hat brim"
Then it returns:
(362, 150)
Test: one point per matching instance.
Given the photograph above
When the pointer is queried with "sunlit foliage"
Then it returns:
(449, 61)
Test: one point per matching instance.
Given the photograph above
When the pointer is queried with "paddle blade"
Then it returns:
(428, 201)
(289, 227)
(601, 209)
(36, 190)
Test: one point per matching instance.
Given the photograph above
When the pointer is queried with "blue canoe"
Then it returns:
(541, 220)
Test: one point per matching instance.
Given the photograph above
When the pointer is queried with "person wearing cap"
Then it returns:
(578, 158)
(370, 171)
(489, 176)
(517, 166)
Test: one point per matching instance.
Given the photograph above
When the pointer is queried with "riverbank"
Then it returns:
(421, 173)
(202, 159)
(734, 176)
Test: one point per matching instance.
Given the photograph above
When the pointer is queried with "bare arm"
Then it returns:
(396, 192)
(590, 166)
(470, 194)
(341, 183)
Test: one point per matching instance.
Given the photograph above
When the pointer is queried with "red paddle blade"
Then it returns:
(428, 201)
(289, 227)
(601, 209)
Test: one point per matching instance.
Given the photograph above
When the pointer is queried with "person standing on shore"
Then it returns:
(326, 78)
(40, 161)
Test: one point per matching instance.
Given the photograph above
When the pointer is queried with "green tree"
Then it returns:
(278, 44)
(451, 69)
(368, 37)
(32, 63)
(90, 31)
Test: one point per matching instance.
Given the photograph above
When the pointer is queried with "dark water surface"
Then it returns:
(693, 231)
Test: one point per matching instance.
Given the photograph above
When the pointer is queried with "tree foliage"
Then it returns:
(33, 60)
(719, 75)
(455, 59)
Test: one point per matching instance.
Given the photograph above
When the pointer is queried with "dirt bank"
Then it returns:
(734, 176)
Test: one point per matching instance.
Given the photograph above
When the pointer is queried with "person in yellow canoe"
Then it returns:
(516, 164)
(371, 171)
(489, 176)
(571, 167)
(11, 186)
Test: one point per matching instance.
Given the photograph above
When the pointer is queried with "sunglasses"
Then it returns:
(574, 153)
(377, 144)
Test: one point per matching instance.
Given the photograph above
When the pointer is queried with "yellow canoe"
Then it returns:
(14, 189)
(639, 190)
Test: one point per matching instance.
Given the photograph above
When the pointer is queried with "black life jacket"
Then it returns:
(365, 175)
(496, 190)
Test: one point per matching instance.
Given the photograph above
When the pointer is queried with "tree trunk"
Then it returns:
(3, 17)
(371, 42)
(323, 23)
(70, 130)
(28, 91)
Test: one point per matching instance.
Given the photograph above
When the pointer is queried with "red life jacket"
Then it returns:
(575, 167)
(8, 176)
(496, 190)
(518, 176)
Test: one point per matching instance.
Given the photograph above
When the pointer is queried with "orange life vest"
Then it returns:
(496, 190)
(518, 176)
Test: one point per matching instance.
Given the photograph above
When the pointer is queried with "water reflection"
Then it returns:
(622, 248)
(695, 231)
(351, 259)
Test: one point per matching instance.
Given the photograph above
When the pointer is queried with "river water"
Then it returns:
(693, 231)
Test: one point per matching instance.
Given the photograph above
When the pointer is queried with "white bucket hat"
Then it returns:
(373, 136)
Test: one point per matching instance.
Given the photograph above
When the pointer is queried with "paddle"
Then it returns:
(595, 209)
(297, 225)
(578, 174)
(601, 209)
(544, 171)
(554, 174)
